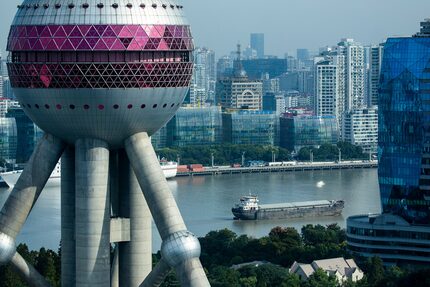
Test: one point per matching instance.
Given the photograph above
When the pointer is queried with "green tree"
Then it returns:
(45, 264)
(222, 276)
(320, 279)
(248, 281)
(374, 270)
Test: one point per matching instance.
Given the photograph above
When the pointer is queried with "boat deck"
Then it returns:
(295, 204)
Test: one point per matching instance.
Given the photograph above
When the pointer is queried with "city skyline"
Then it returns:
(360, 20)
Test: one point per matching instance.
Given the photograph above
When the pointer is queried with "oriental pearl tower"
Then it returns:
(100, 77)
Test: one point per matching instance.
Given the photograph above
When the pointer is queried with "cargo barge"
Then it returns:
(249, 209)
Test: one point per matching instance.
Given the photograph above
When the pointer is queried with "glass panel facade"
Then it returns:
(250, 127)
(297, 132)
(27, 134)
(8, 139)
(195, 126)
(404, 128)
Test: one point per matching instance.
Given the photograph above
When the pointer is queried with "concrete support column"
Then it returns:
(114, 183)
(154, 185)
(114, 271)
(68, 251)
(92, 214)
(30, 184)
(180, 248)
(136, 255)
(156, 277)
(27, 272)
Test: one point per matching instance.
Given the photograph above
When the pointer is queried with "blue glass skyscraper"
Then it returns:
(401, 234)
(404, 128)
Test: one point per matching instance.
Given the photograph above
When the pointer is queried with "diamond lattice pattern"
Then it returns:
(100, 75)
(100, 38)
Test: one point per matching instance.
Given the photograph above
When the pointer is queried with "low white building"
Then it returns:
(360, 127)
(343, 269)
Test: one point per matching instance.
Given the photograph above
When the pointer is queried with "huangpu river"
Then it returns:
(205, 202)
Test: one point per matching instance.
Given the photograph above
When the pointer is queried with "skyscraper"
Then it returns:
(375, 64)
(204, 77)
(340, 80)
(326, 89)
(303, 55)
(402, 233)
(352, 73)
(257, 44)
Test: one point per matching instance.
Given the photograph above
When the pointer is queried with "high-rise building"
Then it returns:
(303, 55)
(401, 234)
(257, 44)
(375, 64)
(306, 81)
(202, 88)
(326, 89)
(360, 127)
(224, 67)
(298, 131)
(292, 64)
(27, 134)
(100, 78)
(274, 102)
(5, 105)
(255, 69)
(270, 85)
(340, 80)
(353, 73)
(249, 127)
(7, 89)
(8, 139)
(249, 53)
(238, 91)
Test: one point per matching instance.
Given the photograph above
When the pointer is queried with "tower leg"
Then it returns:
(27, 272)
(30, 184)
(135, 255)
(20, 202)
(180, 248)
(93, 214)
(68, 251)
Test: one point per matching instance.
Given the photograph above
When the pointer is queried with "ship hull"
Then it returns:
(287, 213)
(244, 215)
(169, 172)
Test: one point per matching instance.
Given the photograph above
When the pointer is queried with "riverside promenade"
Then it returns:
(299, 166)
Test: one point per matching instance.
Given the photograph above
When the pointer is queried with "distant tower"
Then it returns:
(257, 43)
(100, 78)
(239, 92)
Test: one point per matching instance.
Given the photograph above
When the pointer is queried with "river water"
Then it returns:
(205, 202)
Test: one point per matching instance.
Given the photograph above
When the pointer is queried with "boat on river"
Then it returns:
(249, 209)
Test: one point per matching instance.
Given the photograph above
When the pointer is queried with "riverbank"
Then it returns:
(302, 166)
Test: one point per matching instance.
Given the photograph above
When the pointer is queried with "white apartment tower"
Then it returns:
(327, 95)
(354, 73)
(376, 53)
(204, 77)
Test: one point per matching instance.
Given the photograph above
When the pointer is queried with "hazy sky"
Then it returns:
(287, 24)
